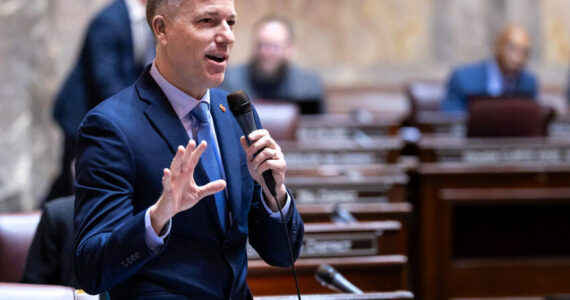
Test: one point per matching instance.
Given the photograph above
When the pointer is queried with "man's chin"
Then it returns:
(216, 80)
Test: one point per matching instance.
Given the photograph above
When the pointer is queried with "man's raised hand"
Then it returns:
(180, 190)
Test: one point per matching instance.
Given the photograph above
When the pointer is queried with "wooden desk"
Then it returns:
(494, 229)
(400, 211)
(398, 295)
(334, 184)
(346, 126)
(369, 273)
(453, 124)
(355, 239)
(492, 151)
(343, 151)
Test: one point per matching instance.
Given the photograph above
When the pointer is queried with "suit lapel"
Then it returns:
(162, 116)
(160, 113)
(228, 145)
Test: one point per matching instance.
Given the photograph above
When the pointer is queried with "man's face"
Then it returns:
(513, 52)
(272, 47)
(198, 40)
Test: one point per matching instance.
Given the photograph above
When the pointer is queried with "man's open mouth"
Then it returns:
(216, 58)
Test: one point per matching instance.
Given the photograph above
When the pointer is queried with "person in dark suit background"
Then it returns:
(271, 74)
(50, 259)
(117, 46)
(502, 75)
(157, 220)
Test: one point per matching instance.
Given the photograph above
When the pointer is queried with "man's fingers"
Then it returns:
(263, 156)
(275, 165)
(265, 142)
(257, 134)
(243, 143)
(188, 152)
(177, 161)
(195, 155)
(212, 188)
(166, 180)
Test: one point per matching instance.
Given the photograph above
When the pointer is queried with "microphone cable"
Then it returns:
(274, 194)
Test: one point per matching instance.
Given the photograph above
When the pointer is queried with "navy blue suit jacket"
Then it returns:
(106, 65)
(471, 80)
(123, 146)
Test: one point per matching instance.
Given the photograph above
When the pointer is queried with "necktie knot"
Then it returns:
(201, 112)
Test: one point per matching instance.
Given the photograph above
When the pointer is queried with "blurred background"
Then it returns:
(380, 43)
(455, 206)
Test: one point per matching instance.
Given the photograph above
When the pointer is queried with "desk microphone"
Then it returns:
(331, 278)
(342, 216)
(241, 109)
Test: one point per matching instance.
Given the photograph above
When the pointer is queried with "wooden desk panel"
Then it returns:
(453, 124)
(490, 151)
(401, 211)
(334, 184)
(369, 273)
(346, 126)
(354, 239)
(398, 295)
(344, 151)
(445, 187)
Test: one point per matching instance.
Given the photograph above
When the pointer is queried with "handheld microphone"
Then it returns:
(238, 102)
(331, 278)
(241, 109)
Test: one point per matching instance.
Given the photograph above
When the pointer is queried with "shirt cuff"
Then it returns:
(153, 240)
(275, 215)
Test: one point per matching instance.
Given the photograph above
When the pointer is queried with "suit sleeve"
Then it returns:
(109, 236)
(454, 100)
(105, 45)
(267, 236)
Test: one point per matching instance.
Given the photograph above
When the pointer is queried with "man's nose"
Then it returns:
(225, 35)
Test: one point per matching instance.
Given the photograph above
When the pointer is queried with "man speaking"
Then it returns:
(157, 220)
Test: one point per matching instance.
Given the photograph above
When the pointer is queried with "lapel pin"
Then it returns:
(223, 108)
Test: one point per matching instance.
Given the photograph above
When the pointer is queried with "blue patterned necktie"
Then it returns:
(210, 156)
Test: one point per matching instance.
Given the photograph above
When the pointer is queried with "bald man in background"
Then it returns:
(271, 75)
(499, 76)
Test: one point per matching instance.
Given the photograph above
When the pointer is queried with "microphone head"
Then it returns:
(239, 103)
(325, 274)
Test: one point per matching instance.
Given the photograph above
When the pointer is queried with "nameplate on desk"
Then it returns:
(311, 134)
(559, 129)
(322, 196)
(333, 245)
(339, 244)
(331, 158)
(453, 129)
(336, 133)
(506, 155)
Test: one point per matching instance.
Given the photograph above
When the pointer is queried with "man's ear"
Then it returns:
(159, 29)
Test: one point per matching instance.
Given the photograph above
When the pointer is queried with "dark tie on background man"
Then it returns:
(210, 157)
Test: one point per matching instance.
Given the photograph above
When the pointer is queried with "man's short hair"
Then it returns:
(279, 19)
(154, 7)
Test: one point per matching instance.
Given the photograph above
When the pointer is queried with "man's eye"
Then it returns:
(231, 22)
(206, 20)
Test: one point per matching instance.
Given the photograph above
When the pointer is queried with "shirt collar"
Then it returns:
(136, 10)
(181, 102)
